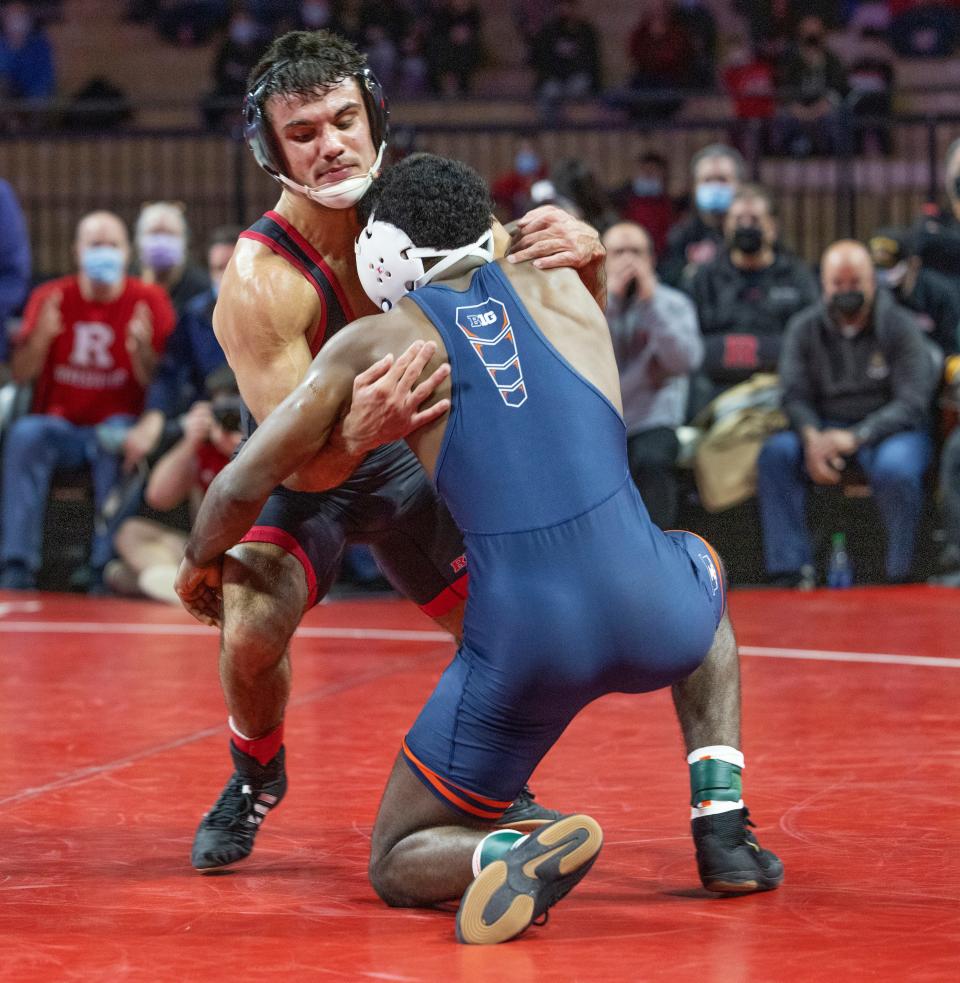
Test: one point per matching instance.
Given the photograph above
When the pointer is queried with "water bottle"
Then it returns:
(839, 571)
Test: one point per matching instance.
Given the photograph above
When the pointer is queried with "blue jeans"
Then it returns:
(35, 447)
(894, 468)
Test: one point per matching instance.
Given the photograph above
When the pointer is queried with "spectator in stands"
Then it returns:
(236, 56)
(928, 294)
(573, 181)
(928, 29)
(871, 78)
(379, 28)
(26, 56)
(530, 16)
(772, 26)
(412, 79)
(456, 48)
(746, 296)
(192, 355)
(717, 172)
(511, 191)
(645, 199)
(657, 345)
(565, 55)
(163, 240)
(936, 235)
(948, 485)
(545, 193)
(857, 383)
(749, 81)
(150, 551)
(696, 17)
(191, 22)
(317, 15)
(662, 61)
(276, 15)
(811, 88)
(89, 343)
(14, 267)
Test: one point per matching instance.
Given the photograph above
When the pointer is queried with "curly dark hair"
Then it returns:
(438, 202)
(310, 63)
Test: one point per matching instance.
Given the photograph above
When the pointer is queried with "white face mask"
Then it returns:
(343, 194)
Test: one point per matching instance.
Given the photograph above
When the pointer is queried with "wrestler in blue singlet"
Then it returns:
(574, 592)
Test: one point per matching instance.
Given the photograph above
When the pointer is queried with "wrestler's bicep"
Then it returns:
(265, 343)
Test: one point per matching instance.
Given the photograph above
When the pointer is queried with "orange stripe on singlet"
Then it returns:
(442, 785)
(717, 564)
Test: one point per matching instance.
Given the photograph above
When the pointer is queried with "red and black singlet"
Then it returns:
(279, 236)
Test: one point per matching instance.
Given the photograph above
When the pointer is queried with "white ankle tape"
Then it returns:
(719, 751)
(715, 808)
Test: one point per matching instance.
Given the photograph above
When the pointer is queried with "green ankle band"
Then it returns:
(493, 846)
(714, 780)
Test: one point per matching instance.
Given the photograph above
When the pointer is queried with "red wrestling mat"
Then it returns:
(116, 743)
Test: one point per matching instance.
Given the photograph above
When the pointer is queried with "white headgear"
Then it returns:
(343, 194)
(390, 265)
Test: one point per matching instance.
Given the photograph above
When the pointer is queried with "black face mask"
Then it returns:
(748, 239)
(956, 186)
(848, 302)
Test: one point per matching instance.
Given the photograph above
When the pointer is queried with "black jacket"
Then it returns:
(936, 308)
(877, 383)
(675, 267)
(937, 242)
(731, 301)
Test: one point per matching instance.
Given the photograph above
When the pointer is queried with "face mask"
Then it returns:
(526, 163)
(848, 303)
(162, 250)
(343, 194)
(647, 187)
(104, 265)
(748, 239)
(956, 186)
(714, 196)
(893, 277)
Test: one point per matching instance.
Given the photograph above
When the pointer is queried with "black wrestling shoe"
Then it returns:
(227, 831)
(729, 858)
(526, 813)
(515, 890)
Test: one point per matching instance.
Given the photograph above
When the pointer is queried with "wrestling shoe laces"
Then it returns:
(729, 858)
(525, 813)
(226, 833)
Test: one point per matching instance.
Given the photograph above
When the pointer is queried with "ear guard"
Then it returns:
(259, 136)
(390, 265)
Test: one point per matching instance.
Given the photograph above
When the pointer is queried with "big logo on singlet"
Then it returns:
(487, 328)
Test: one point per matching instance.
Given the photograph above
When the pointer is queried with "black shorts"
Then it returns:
(388, 503)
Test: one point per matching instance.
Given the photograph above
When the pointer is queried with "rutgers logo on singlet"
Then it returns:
(487, 328)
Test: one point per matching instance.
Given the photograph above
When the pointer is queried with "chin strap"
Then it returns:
(483, 248)
(343, 194)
